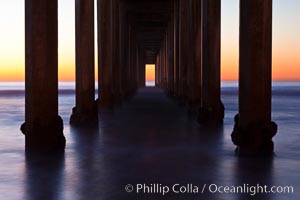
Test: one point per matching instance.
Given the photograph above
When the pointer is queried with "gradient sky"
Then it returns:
(286, 40)
(150, 72)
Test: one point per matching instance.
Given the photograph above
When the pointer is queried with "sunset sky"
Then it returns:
(286, 40)
(150, 72)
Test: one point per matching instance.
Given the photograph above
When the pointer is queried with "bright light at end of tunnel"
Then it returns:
(150, 75)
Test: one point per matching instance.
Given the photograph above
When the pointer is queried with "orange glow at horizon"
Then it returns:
(13, 74)
(150, 72)
(66, 68)
(283, 69)
(285, 59)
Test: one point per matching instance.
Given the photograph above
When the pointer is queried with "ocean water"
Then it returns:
(20, 179)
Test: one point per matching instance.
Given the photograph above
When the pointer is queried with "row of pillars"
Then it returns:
(121, 60)
(188, 63)
(121, 67)
(188, 68)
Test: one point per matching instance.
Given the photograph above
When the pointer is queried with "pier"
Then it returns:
(182, 39)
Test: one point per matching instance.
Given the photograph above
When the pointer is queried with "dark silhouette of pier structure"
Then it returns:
(182, 37)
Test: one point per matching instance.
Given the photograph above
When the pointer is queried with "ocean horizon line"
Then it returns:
(280, 88)
(70, 85)
(96, 82)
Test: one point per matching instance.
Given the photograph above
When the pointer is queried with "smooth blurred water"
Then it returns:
(92, 164)
(150, 83)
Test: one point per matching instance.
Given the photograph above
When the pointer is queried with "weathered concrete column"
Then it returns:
(137, 58)
(170, 54)
(115, 52)
(193, 70)
(125, 51)
(162, 69)
(157, 71)
(212, 109)
(189, 56)
(166, 61)
(196, 46)
(131, 64)
(182, 51)
(142, 72)
(176, 49)
(254, 130)
(105, 54)
(137, 70)
(159, 67)
(129, 61)
(136, 63)
(43, 128)
(85, 111)
(122, 60)
(164, 65)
